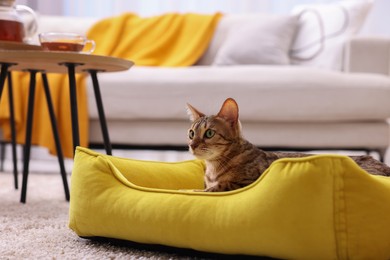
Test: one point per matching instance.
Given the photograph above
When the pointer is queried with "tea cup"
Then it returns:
(67, 42)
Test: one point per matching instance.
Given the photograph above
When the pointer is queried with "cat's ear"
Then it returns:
(229, 111)
(193, 113)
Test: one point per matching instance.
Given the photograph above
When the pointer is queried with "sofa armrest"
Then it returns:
(368, 54)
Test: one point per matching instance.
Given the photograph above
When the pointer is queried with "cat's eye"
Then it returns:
(209, 133)
(191, 134)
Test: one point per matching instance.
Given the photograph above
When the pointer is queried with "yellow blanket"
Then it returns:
(166, 40)
(42, 134)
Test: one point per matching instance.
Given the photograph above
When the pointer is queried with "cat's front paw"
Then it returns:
(192, 190)
(212, 189)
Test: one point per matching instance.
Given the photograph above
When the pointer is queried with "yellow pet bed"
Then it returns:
(319, 207)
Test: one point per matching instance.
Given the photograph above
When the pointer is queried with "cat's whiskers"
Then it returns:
(202, 152)
(223, 163)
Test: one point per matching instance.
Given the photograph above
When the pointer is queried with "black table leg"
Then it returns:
(13, 129)
(102, 117)
(27, 144)
(3, 76)
(73, 104)
(54, 127)
(2, 156)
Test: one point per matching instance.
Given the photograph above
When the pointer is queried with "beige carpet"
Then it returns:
(38, 229)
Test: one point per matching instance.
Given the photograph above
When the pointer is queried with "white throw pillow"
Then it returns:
(260, 39)
(323, 31)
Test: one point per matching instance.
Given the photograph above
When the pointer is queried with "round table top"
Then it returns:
(10, 45)
(52, 61)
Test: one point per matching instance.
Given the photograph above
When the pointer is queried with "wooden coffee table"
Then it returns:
(38, 61)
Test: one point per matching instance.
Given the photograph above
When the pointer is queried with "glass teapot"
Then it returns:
(18, 23)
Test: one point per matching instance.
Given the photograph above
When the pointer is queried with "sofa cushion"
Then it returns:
(227, 24)
(324, 29)
(264, 93)
(265, 39)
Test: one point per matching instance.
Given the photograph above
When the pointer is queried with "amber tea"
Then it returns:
(62, 46)
(11, 31)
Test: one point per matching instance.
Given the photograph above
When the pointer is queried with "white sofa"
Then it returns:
(282, 106)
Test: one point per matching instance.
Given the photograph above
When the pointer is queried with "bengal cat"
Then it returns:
(231, 161)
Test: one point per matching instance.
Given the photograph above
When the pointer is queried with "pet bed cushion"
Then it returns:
(321, 206)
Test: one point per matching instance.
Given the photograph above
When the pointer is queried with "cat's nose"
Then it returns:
(194, 145)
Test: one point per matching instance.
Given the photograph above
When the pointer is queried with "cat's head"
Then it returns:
(209, 136)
